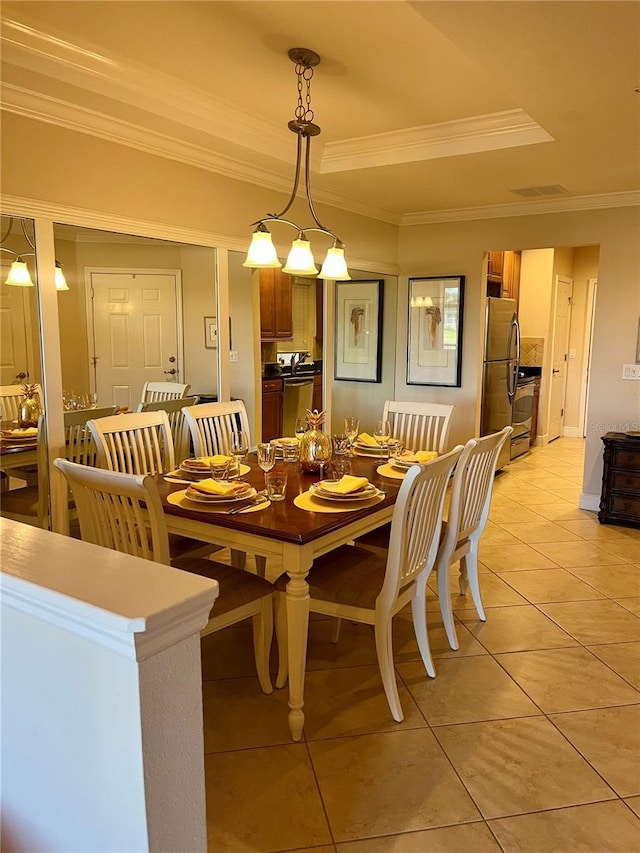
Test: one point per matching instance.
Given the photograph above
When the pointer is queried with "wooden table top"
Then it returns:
(283, 520)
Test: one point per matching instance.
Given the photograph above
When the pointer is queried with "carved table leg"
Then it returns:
(297, 602)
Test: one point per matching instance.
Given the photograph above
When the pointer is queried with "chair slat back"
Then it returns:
(136, 443)
(10, 398)
(177, 421)
(420, 426)
(473, 486)
(79, 443)
(154, 392)
(119, 511)
(212, 424)
(416, 524)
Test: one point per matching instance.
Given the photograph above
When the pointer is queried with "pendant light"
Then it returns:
(19, 275)
(300, 261)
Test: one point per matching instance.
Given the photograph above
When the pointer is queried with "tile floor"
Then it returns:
(527, 740)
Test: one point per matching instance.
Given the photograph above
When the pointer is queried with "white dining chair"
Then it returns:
(363, 585)
(420, 426)
(154, 392)
(212, 425)
(141, 443)
(79, 443)
(124, 512)
(468, 513)
(134, 443)
(177, 422)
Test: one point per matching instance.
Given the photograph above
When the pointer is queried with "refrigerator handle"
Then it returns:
(513, 364)
(517, 326)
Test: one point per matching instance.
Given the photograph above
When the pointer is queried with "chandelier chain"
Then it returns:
(303, 111)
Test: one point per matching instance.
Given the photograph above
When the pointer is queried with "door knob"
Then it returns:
(22, 375)
(556, 371)
(171, 372)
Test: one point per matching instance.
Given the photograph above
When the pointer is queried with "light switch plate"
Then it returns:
(233, 356)
(631, 371)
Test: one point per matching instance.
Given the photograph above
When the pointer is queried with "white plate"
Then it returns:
(364, 495)
(198, 498)
(370, 451)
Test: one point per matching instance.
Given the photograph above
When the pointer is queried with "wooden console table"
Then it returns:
(620, 499)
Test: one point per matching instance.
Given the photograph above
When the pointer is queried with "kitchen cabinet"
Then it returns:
(510, 286)
(272, 406)
(317, 392)
(276, 306)
(620, 497)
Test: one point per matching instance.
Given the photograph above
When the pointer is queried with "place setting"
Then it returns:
(346, 494)
(401, 460)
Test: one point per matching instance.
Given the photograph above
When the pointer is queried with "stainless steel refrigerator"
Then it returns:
(500, 369)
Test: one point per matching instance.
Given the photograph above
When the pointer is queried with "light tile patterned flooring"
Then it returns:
(527, 739)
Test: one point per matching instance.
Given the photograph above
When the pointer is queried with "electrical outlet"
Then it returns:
(233, 356)
(631, 371)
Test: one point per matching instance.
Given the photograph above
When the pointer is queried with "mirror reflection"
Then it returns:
(134, 313)
(23, 471)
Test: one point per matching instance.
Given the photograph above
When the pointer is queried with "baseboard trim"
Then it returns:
(573, 432)
(589, 502)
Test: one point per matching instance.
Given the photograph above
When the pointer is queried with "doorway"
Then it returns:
(559, 354)
(135, 322)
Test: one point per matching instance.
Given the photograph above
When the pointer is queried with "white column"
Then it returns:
(102, 745)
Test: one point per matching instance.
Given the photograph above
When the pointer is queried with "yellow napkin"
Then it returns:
(220, 487)
(290, 441)
(205, 461)
(345, 485)
(365, 438)
(421, 456)
(24, 431)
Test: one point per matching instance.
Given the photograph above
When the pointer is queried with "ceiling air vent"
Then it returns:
(530, 192)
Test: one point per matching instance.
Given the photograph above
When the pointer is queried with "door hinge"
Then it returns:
(565, 356)
(561, 413)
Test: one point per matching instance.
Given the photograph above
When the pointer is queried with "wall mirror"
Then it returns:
(135, 311)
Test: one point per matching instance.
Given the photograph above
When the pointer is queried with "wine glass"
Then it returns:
(239, 448)
(382, 434)
(300, 427)
(351, 430)
(266, 452)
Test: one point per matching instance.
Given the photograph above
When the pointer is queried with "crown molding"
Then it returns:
(527, 208)
(39, 107)
(508, 129)
(114, 223)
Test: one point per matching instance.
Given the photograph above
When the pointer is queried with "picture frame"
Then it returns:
(210, 333)
(434, 330)
(358, 351)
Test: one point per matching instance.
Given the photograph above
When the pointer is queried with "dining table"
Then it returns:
(17, 452)
(294, 532)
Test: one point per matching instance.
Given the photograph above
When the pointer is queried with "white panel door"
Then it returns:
(135, 325)
(562, 322)
(15, 325)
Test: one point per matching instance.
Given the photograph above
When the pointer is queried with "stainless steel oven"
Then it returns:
(522, 414)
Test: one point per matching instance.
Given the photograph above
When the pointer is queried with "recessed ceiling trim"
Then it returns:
(39, 107)
(507, 129)
(528, 208)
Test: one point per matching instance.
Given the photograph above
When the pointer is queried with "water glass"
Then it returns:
(290, 451)
(219, 466)
(266, 452)
(396, 448)
(276, 485)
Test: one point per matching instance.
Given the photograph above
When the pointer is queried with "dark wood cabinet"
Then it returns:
(272, 405)
(317, 392)
(276, 307)
(503, 274)
(620, 499)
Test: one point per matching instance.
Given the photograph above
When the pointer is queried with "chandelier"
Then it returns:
(300, 261)
(19, 275)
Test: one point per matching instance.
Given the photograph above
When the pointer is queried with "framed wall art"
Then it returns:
(434, 331)
(359, 330)
(210, 333)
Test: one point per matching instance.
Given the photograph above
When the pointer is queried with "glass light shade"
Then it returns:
(60, 280)
(335, 266)
(300, 260)
(19, 275)
(262, 253)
